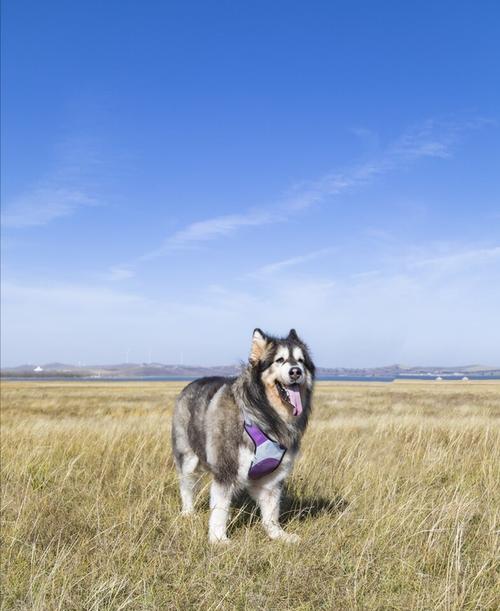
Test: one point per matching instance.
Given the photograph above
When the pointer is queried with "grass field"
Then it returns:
(396, 498)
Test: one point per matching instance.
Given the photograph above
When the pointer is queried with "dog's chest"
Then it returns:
(246, 456)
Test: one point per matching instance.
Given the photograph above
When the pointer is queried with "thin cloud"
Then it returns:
(436, 261)
(44, 205)
(118, 272)
(203, 231)
(459, 259)
(61, 193)
(430, 139)
(278, 266)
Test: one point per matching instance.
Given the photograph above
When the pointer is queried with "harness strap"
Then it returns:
(268, 454)
(257, 435)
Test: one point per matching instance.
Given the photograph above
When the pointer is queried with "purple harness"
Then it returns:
(268, 454)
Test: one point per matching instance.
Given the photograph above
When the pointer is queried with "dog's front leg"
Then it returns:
(220, 501)
(268, 498)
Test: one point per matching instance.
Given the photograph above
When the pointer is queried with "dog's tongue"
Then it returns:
(295, 399)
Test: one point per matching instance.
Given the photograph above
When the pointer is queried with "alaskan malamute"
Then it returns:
(245, 431)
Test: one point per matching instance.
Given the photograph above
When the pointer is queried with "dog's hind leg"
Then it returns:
(268, 497)
(188, 480)
(186, 460)
(220, 501)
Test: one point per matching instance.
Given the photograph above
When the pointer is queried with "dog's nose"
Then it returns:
(295, 373)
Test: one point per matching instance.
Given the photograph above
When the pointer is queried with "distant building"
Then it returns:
(38, 369)
(465, 379)
(439, 379)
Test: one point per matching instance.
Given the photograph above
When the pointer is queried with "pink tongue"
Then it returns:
(295, 400)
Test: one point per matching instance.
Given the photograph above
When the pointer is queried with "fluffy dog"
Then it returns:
(245, 431)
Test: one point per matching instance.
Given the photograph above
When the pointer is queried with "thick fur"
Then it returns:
(208, 432)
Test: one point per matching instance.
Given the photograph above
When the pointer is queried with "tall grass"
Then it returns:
(396, 498)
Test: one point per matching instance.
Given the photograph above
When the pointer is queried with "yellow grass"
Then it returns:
(396, 498)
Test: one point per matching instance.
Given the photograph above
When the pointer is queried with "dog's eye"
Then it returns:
(301, 360)
(280, 360)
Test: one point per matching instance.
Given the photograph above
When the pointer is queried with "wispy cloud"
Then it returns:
(61, 193)
(428, 140)
(209, 229)
(120, 272)
(278, 266)
(459, 259)
(434, 260)
(43, 205)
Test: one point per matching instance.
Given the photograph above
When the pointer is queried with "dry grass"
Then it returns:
(396, 498)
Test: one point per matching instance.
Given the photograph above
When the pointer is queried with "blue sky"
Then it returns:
(175, 174)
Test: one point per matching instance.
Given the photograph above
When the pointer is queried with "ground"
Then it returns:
(396, 498)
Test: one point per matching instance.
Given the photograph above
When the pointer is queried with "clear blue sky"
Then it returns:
(178, 173)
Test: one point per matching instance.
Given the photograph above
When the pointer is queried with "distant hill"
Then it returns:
(121, 370)
(141, 370)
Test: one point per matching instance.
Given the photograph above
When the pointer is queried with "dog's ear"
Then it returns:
(293, 335)
(259, 342)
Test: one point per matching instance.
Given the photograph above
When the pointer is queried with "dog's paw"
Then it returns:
(214, 540)
(185, 513)
(287, 537)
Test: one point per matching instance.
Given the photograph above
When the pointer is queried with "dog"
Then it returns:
(245, 431)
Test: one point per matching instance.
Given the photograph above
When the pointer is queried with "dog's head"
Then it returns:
(283, 364)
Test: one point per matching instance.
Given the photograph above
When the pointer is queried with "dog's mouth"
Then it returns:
(291, 394)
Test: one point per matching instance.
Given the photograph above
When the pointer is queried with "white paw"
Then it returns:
(287, 537)
(187, 512)
(215, 540)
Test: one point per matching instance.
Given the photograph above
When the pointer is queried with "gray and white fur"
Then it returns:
(208, 432)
